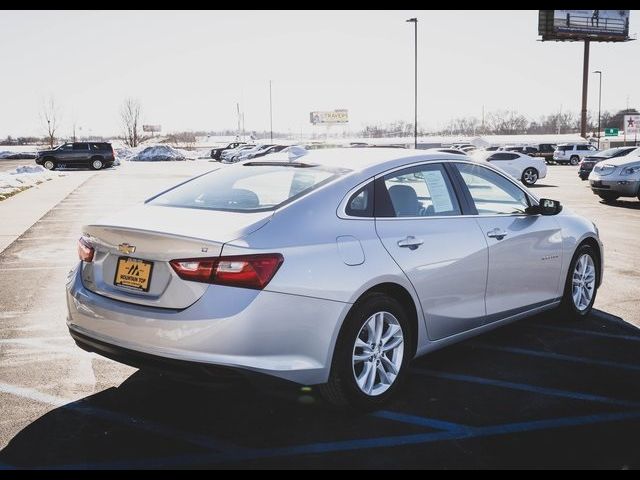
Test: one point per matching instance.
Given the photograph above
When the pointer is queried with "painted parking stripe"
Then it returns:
(578, 331)
(421, 421)
(554, 356)
(525, 387)
(363, 444)
(123, 419)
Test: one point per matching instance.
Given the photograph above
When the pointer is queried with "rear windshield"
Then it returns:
(248, 188)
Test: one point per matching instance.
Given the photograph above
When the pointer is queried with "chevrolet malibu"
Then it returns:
(335, 268)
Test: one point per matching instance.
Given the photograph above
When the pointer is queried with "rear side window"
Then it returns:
(361, 203)
(248, 188)
(565, 148)
(82, 147)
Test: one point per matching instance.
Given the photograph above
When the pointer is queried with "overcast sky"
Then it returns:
(188, 69)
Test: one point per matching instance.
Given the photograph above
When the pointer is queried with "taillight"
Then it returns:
(85, 250)
(248, 271)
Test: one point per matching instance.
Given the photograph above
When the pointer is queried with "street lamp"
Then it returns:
(415, 83)
(599, 104)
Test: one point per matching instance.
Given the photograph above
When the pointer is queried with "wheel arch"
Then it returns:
(593, 243)
(402, 295)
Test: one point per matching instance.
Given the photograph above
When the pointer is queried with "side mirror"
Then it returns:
(545, 207)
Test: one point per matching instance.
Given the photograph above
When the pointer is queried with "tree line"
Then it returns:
(505, 122)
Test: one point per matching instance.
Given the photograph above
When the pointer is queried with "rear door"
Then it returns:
(80, 153)
(506, 161)
(525, 251)
(420, 221)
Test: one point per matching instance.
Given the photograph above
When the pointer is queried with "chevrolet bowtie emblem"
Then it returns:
(126, 248)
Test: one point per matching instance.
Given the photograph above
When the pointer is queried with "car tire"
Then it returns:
(96, 163)
(348, 380)
(529, 176)
(609, 197)
(579, 283)
(574, 160)
(49, 164)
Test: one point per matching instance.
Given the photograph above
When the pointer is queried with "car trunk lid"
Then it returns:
(133, 250)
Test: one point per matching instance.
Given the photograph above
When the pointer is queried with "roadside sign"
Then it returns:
(610, 132)
(631, 124)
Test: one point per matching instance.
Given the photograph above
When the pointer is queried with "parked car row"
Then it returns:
(587, 163)
(237, 151)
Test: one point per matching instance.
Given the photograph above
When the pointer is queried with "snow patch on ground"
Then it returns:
(156, 153)
(22, 178)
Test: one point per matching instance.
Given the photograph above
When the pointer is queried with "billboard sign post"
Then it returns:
(584, 26)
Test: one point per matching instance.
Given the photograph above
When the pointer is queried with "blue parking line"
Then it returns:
(364, 444)
(555, 356)
(526, 387)
(579, 331)
(421, 421)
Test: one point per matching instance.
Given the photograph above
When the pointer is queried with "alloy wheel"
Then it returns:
(378, 353)
(583, 282)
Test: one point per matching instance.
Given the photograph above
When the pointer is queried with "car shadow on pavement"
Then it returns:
(630, 204)
(515, 396)
(542, 185)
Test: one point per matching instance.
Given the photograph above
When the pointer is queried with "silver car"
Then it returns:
(615, 178)
(334, 268)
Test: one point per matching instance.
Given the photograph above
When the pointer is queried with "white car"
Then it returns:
(572, 153)
(520, 166)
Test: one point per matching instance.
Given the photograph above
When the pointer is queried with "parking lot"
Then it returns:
(540, 392)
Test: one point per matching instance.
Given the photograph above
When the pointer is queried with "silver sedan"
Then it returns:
(334, 268)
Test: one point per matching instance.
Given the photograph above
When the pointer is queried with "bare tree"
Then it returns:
(130, 115)
(50, 119)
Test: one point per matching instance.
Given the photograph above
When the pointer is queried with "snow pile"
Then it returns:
(22, 178)
(17, 155)
(158, 153)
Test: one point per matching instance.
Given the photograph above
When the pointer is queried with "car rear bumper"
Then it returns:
(285, 336)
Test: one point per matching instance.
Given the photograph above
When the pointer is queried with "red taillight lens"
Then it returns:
(85, 250)
(248, 271)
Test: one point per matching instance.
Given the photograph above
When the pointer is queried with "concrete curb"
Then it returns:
(19, 212)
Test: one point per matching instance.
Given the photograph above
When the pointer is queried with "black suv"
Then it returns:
(216, 152)
(545, 150)
(97, 155)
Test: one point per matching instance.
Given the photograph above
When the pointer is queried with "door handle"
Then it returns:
(497, 233)
(410, 242)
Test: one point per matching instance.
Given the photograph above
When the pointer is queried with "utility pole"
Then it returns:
(238, 109)
(585, 83)
(270, 113)
(415, 82)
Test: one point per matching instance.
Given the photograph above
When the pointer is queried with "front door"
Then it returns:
(442, 252)
(525, 251)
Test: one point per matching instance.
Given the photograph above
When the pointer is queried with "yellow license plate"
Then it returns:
(133, 273)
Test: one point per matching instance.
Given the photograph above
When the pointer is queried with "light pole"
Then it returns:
(599, 104)
(270, 113)
(415, 83)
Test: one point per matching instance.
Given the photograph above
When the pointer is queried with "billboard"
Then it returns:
(335, 116)
(631, 124)
(151, 128)
(574, 25)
